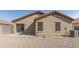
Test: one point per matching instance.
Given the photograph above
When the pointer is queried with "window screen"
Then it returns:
(40, 26)
(57, 26)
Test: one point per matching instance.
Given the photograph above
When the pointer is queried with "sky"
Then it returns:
(10, 15)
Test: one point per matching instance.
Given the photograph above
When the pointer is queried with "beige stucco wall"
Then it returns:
(29, 24)
(49, 25)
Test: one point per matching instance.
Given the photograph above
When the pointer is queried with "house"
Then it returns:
(75, 27)
(38, 23)
(75, 24)
(53, 23)
(25, 24)
(5, 27)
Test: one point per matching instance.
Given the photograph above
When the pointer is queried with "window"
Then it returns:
(76, 27)
(40, 26)
(19, 27)
(57, 26)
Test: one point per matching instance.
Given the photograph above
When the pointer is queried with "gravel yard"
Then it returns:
(28, 41)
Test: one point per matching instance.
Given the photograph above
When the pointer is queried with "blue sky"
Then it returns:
(14, 14)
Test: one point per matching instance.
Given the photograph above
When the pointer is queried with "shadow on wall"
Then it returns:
(30, 30)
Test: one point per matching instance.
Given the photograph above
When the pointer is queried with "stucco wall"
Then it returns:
(29, 24)
(49, 25)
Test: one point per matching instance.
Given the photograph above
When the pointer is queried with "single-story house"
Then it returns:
(53, 23)
(5, 27)
(25, 24)
(38, 23)
(75, 27)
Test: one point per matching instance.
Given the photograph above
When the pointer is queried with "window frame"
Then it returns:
(57, 26)
(19, 28)
(76, 28)
(40, 26)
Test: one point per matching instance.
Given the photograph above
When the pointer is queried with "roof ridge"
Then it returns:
(54, 12)
(28, 15)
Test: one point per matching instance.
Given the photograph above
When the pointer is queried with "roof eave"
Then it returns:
(55, 12)
(38, 12)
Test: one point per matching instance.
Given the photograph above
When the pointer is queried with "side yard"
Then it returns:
(27, 41)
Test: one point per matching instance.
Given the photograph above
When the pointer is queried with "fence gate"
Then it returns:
(76, 34)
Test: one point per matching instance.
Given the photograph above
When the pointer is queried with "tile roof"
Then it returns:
(4, 22)
(76, 21)
(38, 12)
(54, 13)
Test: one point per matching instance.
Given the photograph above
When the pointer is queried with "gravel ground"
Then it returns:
(28, 41)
